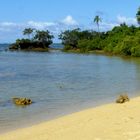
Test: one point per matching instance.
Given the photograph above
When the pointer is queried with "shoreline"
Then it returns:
(42, 119)
(108, 122)
(99, 52)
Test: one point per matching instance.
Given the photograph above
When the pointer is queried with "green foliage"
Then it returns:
(97, 19)
(135, 51)
(41, 40)
(28, 31)
(125, 46)
(43, 36)
(130, 45)
(67, 47)
(123, 39)
(70, 38)
(89, 45)
(75, 39)
(84, 45)
(20, 44)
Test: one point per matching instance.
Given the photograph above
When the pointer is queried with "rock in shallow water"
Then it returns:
(22, 101)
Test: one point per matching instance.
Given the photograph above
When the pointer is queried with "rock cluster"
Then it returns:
(122, 99)
(22, 101)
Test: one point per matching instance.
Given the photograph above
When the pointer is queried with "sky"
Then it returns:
(59, 15)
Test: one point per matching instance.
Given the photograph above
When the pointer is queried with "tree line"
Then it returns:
(122, 39)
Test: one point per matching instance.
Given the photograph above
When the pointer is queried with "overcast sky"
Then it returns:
(59, 15)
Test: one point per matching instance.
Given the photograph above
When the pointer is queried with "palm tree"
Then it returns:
(138, 16)
(97, 19)
(28, 32)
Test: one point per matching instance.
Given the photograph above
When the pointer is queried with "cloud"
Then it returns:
(66, 22)
(108, 25)
(104, 26)
(127, 20)
(69, 21)
(40, 25)
(10, 31)
(7, 26)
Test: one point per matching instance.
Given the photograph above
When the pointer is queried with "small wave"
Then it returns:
(7, 74)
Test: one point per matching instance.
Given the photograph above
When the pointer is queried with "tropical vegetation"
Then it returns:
(122, 39)
(39, 41)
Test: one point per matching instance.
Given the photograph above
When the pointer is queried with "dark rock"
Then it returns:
(122, 99)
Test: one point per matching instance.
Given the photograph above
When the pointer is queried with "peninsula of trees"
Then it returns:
(122, 40)
(37, 41)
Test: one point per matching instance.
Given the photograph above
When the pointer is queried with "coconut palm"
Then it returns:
(97, 19)
(138, 16)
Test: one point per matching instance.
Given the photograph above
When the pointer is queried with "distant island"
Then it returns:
(37, 41)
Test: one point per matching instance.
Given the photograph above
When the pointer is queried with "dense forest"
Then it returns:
(122, 39)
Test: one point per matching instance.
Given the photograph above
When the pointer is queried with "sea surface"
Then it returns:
(61, 83)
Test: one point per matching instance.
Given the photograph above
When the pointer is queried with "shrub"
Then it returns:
(135, 51)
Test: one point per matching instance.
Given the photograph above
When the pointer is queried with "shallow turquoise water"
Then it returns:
(61, 83)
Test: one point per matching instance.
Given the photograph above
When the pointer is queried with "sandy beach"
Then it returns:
(107, 122)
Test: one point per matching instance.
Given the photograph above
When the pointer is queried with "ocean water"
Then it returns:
(4, 47)
(61, 83)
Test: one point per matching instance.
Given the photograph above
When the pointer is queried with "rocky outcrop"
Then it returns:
(122, 99)
(22, 101)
